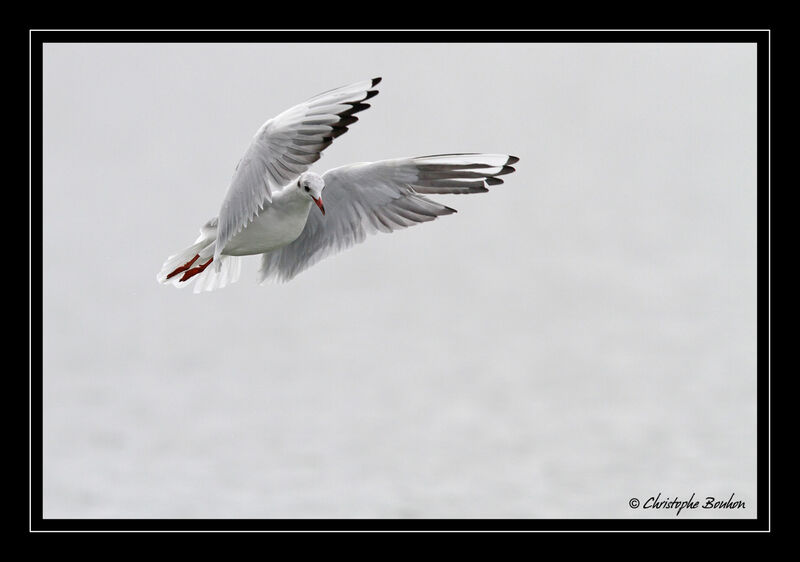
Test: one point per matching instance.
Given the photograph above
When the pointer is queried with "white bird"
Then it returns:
(267, 209)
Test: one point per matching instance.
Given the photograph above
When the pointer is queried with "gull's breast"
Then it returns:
(274, 227)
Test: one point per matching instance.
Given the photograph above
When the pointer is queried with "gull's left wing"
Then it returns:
(382, 196)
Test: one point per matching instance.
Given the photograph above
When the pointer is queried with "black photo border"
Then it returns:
(38, 38)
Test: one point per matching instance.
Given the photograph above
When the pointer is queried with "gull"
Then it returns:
(268, 209)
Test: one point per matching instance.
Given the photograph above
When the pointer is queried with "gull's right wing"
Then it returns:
(283, 148)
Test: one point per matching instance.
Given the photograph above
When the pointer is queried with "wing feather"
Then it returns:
(283, 148)
(382, 196)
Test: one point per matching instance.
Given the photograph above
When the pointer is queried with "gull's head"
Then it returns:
(311, 185)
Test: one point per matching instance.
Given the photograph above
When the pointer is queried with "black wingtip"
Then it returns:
(345, 121)
(354, 108)
(493, 181)
(376, 81)
(512, 160)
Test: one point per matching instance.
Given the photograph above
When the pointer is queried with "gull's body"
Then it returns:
(269, 207)
(275, 226)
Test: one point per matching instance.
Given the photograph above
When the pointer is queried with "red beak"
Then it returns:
(319, 204)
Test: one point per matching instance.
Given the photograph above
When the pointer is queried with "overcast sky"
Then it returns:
(583, 334)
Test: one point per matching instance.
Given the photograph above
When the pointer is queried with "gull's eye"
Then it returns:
(306, 189)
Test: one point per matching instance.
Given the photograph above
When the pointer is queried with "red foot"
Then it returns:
(184, 267)
(195, 270)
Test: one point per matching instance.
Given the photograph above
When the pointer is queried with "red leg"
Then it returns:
(195, 270)
(184, 267)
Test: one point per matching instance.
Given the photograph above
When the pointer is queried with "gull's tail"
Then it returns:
(191, 264)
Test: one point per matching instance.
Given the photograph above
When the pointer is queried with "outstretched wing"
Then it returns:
(283, 148)
(382, 196)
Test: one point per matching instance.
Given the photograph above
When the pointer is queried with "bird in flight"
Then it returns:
(269, 208)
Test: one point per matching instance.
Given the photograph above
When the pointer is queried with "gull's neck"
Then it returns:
(292, 201)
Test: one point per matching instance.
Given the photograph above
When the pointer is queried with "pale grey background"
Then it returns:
(581, 335)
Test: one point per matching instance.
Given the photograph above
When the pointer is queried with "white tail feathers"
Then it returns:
(224, 271)
(227, 271)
